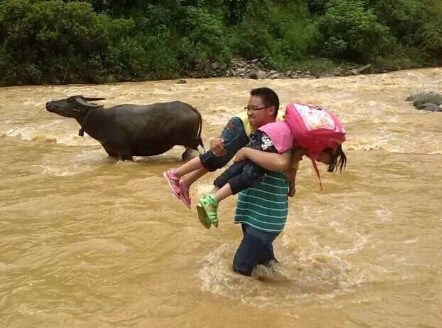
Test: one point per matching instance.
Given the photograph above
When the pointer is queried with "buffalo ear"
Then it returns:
(83, 103)
(94, 99)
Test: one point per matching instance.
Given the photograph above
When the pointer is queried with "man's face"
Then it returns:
(258, 113)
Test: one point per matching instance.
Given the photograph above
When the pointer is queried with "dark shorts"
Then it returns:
(235, 138)
(246, 174)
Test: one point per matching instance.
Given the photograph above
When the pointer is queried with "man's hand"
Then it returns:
(240, 155)
(217, 147)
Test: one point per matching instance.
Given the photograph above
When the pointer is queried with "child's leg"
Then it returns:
(222, 188)
(233, 170)
(192, 165)
(231, 181)
(244, 174)
(208, 205)
(234, 137)
(250, 175)
(173, 176)
(237, 177)
(222, 193)
(181, 188)
(189, 179)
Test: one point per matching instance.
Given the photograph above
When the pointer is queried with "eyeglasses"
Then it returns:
(254, 108)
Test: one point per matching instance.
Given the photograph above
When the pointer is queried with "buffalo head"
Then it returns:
(73, 106)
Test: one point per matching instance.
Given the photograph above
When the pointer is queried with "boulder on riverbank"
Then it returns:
(430, 101)
(256, 69)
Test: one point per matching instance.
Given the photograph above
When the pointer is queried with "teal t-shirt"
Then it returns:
(264, 206)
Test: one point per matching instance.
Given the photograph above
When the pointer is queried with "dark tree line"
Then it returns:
(95, 41)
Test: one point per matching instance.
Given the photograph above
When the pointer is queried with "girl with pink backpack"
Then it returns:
(308, 130)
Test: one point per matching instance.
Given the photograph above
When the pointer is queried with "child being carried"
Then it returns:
(311, 131)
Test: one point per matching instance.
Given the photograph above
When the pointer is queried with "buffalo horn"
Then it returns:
(86, 104)
(94, 99)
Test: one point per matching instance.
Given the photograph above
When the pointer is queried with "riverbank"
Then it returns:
(256, 69)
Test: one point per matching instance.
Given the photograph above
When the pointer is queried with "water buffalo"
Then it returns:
(134, 130)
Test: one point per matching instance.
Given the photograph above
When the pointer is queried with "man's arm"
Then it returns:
(218, 147)
(269, 161)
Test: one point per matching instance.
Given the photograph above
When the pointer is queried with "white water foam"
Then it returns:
(297, 279)
(84, 161)
(55, 131)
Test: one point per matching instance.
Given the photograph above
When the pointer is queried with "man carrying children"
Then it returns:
(261, 210)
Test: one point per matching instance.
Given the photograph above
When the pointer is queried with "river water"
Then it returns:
(88, 241)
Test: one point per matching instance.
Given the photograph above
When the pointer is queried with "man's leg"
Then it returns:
(255, 248)
(267, 256)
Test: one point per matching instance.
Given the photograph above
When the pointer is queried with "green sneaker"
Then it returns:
(208, 211)
(205, 221)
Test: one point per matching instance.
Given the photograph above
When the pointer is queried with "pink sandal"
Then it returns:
(173, 181)
(184, 194)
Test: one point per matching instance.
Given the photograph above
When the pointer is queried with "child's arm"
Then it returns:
(297, 155)
(291, 176)
(269, 161)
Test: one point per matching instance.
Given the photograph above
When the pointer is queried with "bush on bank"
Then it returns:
(98, 41)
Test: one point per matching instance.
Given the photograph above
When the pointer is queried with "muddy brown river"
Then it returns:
(89, 241)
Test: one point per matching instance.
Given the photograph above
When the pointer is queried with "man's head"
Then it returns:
(263, 106)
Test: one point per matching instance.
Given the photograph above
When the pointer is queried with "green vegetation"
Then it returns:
(96, 41)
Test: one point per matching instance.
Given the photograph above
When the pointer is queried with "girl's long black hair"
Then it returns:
(338, 159)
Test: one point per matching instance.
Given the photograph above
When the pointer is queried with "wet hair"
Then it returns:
(338, 159)
(268, 97)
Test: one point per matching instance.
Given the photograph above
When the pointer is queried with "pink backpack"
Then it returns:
(315, 129)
